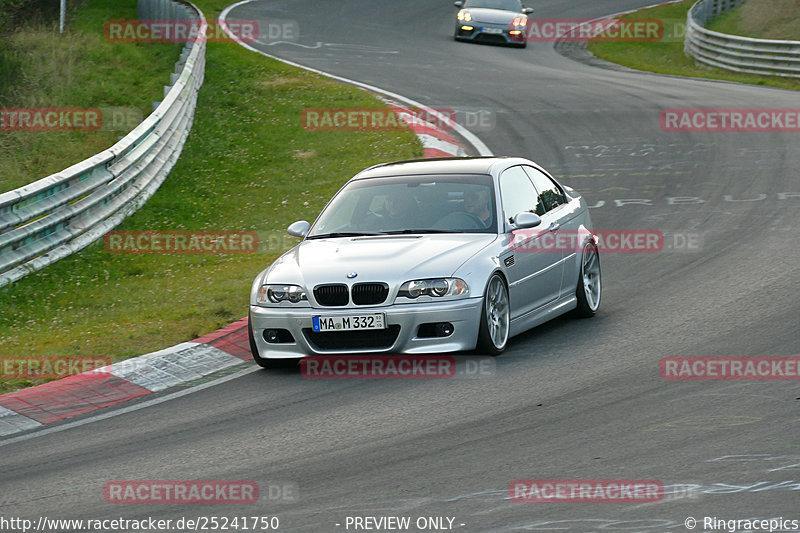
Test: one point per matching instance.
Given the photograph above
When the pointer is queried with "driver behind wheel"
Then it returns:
(476, 202)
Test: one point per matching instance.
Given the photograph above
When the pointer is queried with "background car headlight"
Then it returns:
(275, 294)
(435, 288)
(464, 16)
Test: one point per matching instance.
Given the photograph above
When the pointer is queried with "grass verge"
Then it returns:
(667, 57)
(248, 165)
(761, 19)
(40, 68)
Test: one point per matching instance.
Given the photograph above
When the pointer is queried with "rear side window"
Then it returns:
(550, 195)
(517, 193)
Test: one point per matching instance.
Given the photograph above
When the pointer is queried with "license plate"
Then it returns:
(492, 30)
(349, 322)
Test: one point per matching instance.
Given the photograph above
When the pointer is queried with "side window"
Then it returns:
(517, 193)
(549, 193)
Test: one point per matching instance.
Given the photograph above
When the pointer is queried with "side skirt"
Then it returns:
(533, 318)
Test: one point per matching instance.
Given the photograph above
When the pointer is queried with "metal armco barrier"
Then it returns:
(731, 52)
(63, 213)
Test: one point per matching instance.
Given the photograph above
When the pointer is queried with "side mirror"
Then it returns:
(458, 3)
(526, 219)
(298, 229)
(527, 10)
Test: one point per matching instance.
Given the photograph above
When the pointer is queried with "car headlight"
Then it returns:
(275, 294)
(464, 15)
(520, 21)
(434, 288)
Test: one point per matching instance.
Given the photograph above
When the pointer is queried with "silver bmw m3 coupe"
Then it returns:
(428, 256)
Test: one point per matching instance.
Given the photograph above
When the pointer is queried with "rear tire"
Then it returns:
(495, 318)
(589, 287)
(269, 364)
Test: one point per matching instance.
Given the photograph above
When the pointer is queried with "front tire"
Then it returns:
(495, 317)
(589, 287)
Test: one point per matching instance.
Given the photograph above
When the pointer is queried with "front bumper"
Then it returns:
(401, 335)
(488, 33)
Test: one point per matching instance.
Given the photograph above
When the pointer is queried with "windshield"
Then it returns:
(506, 5)
(410, 204)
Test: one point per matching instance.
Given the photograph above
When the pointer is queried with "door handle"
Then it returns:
(554, 226)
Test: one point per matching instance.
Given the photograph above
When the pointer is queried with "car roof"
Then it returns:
(442, 165)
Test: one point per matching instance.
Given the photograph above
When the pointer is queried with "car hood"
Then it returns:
(393, 259)
(492, 16)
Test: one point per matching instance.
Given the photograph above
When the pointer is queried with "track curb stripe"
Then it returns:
(12, 422)
(231, 339)
(57, 400)
(70, 396)
(172, 366)
(435, 142)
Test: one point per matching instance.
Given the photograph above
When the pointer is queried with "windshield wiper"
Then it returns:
(344, 234)
(377, 234)
(406, 231)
